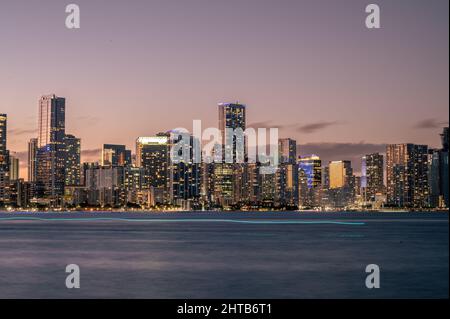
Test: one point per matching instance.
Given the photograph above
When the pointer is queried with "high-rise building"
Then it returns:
(184, 176)
(438, 178)
(374, 175)
(3, 134)
(287, 182)
(4, 161)
(13, 168)
(310, 179)
(51, 154)
(134, 184)
(153, 154)
(341, 191)
(434, 183)
(443, 171)
(444, 139)
(115, 155)
(312, 166)
(32, 152)
(104, 184)
(407, 175)
(340, 173)
(287, 149)
(73, 165)
(228, 176)
(252, 182)
(232, 117)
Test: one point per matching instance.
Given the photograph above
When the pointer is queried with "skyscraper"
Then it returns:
(310, 178)
(104, 184)
(287, 184)
(287, 149)
(4, 160)
(153, 154)
(407, 175)
(184, 176)
(443, 168)
(340, 173)
(73, 165)
(438, 173)
(13, 168)
(3, 132)
(341, 190)
(228, 176)
(232, 117)
(434, 182)
(51, 154)
(287, 173)
(312, 166)
(374, 173)
(444, 139)
(32, 152)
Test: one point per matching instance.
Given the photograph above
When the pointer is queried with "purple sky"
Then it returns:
(310, 67)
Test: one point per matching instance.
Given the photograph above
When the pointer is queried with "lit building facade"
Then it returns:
(407, 175)
(340, 173)
(51, 154)
(153, 154)
(73, 164)
(228, 176)
(4, 161)
(32, 152)
(184, 176)
(374, 175)
(310, 179)
(14, 168)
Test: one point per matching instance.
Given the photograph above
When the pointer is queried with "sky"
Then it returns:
(311, 68)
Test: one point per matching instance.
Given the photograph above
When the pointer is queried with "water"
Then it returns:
(224, 255)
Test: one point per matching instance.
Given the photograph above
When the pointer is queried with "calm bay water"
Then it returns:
(224, 255)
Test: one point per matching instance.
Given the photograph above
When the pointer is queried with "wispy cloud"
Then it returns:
(268, 124)
(19, 131)
(429, 123)
(302, 128)
(313, 127)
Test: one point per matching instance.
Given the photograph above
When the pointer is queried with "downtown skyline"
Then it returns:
(417, 175)
(328, 151)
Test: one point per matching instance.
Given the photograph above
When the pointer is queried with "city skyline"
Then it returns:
(416, 175)
(280, 57)
(331, 151)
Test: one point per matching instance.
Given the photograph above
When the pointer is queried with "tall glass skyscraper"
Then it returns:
(231, 117)
(340, 173)
(51, 154)
(312, 166)
(32, 152)
(443, 172)
(153, 154)
(4, 160)
(184, 175)
(14, 168)
(3, 132)
(407, 175)
(227, 176)
(287, 149)
(73, 164)
(374, 173)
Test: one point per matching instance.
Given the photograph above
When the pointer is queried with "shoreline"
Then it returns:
(118, 211)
